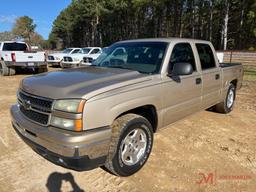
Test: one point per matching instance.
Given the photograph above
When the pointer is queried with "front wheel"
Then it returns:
(227, 105)
(131, 144)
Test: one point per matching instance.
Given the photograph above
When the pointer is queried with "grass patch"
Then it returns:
(250, 73)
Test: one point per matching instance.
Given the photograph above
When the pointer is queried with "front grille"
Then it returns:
(68, 59)
(41, 104)
(88, 59)
(35, 116)
(37, 109)
(50, 57)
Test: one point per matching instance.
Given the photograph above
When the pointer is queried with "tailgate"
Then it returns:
(29, 56)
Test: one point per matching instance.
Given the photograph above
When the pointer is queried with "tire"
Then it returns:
(61, 65)
(12, 71)
(227, 105)
(4, 71)
(128, 132)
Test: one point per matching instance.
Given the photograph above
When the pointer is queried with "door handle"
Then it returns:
(198, 80)
(217, 76)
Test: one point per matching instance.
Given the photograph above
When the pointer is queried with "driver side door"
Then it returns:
(183, 97)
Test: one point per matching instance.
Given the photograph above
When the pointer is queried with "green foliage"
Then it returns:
(102, 22)
(7, 36)
(24, 28)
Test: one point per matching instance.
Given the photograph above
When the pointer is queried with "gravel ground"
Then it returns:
(206, 152)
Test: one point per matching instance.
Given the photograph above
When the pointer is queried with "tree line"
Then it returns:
(24, 29)
(227, 23)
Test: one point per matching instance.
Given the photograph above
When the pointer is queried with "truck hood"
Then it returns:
(59, 54)
(79, 82)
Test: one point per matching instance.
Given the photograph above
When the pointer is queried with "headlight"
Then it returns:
(70, 105)
(68, 121)
(68, 124)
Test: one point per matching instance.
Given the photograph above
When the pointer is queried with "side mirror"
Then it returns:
(180, 69)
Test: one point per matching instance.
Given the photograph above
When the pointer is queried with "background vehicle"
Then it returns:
(106, 114)
(56, 58)
(77, 59)
(17, 54)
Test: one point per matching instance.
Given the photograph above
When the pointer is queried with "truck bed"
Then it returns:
(224, 65)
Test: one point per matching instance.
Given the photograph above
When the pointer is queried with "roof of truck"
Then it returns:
(91, 47)
(168, 40)
(12, 42)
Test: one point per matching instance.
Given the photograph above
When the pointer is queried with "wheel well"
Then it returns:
(2, 58)
(234, 82)
(147, 111)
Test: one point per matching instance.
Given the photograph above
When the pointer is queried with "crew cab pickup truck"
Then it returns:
(106, 114)
(76, 60)
(55, 59)
(17, 54)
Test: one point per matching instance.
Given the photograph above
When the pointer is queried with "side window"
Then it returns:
(95, 51)
(206, 56)
(182, 53)
(75, 51)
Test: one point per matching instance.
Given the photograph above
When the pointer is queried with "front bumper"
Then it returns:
(69, 64)
(25, 64)
(79, 151)
(54, 62)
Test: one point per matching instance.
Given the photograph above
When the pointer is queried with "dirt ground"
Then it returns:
(206, 152)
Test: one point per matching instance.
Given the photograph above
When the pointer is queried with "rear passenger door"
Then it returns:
(183, 97)
(211, 75)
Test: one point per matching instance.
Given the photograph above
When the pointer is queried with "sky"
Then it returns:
(43, 12)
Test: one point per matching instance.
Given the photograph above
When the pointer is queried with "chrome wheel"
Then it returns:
(133, 147)
(230, 99)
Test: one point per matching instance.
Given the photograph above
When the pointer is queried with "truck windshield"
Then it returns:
(67, 50)
(145, 57)
(14, 47)
(86, 50)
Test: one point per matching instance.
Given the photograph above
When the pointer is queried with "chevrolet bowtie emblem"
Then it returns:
(26, 104)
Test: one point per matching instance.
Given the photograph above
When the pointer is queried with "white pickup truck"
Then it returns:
(84, 57)
(55, 59)
(17, 54)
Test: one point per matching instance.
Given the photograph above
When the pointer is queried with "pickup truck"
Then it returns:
(18, 55)
(76, 60)
(106, 114)
(55, 59)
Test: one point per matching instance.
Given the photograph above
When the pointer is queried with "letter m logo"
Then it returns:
(205, 179)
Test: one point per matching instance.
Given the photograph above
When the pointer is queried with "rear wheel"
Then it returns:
(131, 144)
(12, 71)
(227, 105)
(6, 71)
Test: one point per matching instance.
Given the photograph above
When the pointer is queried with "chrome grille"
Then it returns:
(35, 108)
(68, 59)
(50, 57)
(88, 59)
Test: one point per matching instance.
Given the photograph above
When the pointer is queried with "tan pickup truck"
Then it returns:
(106, 114)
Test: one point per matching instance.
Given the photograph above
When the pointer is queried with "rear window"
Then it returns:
(14, 47)
(206, 56)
